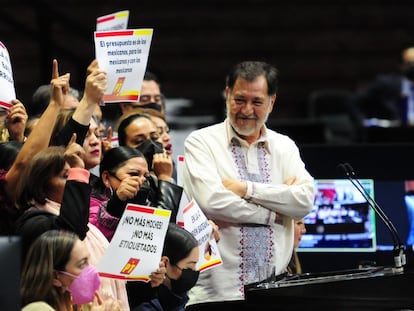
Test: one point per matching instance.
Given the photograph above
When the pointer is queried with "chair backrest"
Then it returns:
(329, 102)
(10, 263)
(334, 108)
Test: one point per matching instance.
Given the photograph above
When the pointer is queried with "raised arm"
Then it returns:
(40, 136)
(95, 87)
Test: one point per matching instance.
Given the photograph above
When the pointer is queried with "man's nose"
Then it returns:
(247, 108)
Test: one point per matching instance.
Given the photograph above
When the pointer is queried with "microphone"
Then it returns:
(399, 247)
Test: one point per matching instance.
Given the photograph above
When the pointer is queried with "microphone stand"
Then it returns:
(399, 247)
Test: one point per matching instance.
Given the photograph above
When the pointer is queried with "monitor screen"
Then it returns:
(341, 219)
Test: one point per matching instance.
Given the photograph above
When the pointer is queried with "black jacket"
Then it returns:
(73, 216)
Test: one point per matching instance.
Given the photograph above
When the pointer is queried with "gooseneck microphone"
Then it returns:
(399, 247)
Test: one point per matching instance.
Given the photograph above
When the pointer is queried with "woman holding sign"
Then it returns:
(125, 179)
(54, 194)
(180, 255)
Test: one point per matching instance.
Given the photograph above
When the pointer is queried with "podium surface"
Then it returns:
(376, 288)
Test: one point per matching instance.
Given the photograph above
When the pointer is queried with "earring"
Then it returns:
(109, 189)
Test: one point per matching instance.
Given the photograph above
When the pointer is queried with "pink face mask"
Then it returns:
(84, 285)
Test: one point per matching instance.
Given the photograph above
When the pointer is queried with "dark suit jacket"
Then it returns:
(382, 98)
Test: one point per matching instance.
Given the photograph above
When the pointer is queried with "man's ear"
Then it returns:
(227, 93)
(272, 103)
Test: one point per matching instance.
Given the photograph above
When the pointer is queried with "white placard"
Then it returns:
(123, 55)
(7, 91)
(197, 223)
(180, 181)
(136, 247)
(114, 21)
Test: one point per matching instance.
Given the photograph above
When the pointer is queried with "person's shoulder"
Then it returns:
(272, 135)
(211, 130)
(38, 306)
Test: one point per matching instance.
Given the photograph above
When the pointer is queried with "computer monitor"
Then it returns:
(341, 219)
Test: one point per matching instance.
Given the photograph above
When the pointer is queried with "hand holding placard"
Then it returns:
(197, 223)
(123, 55)
(136, 247)
(7, 91)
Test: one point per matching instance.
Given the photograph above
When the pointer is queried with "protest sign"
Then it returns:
(136, 247)
(180, 181)
(123, 55)
(7, 91)
(197, 223)
(114, 21)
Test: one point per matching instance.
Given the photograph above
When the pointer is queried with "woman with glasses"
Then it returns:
(125, 178)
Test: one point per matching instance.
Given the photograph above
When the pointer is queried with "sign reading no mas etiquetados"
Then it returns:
(123, 55)
(136, 247)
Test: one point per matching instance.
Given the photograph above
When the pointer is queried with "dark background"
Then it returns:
(314, 44)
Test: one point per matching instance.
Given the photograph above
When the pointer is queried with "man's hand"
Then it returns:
(290, 181)
(237, 187)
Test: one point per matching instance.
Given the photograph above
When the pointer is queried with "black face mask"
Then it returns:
(146, 194)
(149, 148)
(408, 71)
(186, 281)
(154, 106)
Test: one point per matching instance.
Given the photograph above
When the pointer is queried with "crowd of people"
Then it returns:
(67, 174)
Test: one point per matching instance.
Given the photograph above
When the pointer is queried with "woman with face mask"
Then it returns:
(137, 130)
(57, 276)
(125, 179)
(180, 255)
(54, 194)
(158, 131)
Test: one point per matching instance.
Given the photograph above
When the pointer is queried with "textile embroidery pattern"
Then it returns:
(256, 242)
